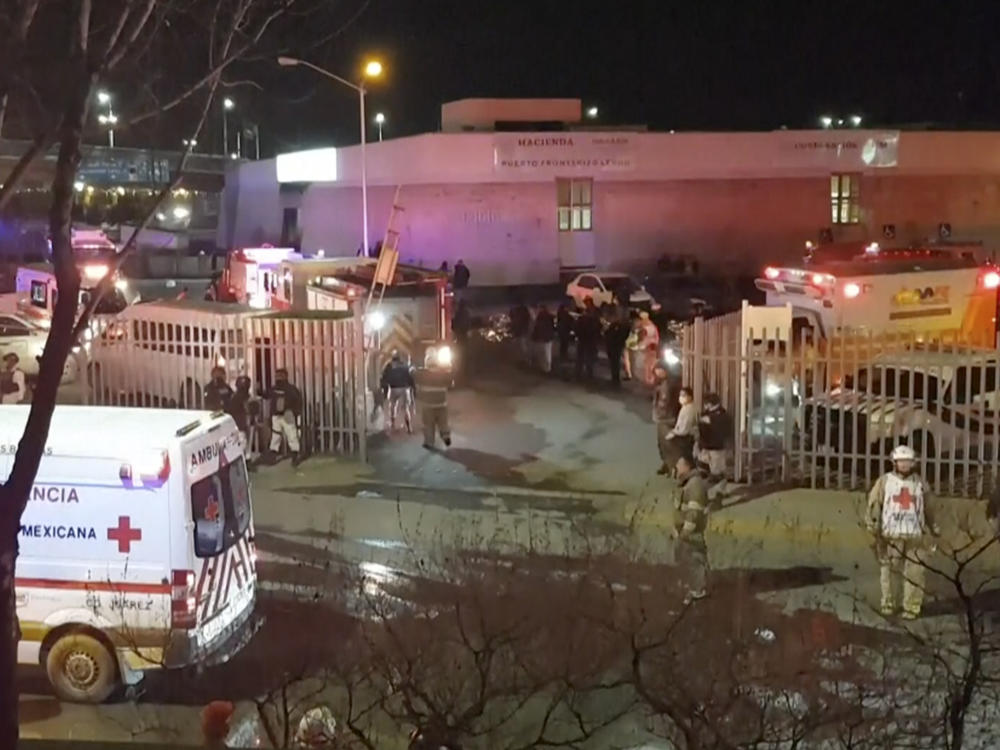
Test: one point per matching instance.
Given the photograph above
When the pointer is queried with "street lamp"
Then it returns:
(592, 113)
(109, 119)
(856, 121)
(227, 104)
(371, 69)
(826, 121)
(380, 121)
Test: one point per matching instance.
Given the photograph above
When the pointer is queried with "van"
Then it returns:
(162, 353)
(137, 547)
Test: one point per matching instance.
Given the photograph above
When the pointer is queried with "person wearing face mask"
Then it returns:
(217, 394)
(898, 518)
(285, 401)
(680, 439)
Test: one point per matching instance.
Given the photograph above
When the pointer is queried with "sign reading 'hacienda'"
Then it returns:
(562, 153)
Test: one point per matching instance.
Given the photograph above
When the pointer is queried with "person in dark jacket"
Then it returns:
(285, 401)
(588, 335)
(520, 328)
(217, 394)
(564, 329)
(398, 386)
(714, 430)
(615, 337)
(460, 279)
(542, 335)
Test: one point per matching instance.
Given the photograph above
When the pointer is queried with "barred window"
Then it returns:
(845, 198)
(576, 210)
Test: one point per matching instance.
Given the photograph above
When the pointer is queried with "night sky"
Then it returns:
(695, 65)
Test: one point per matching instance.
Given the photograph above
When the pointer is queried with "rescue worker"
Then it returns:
(397, 386)
(649, 343)
(13, 385)
(285, 401)
(663, 413)
(215, 718)
(317, 729)
(690, 520)
(217, 395)
(432, 383)
(900, 522)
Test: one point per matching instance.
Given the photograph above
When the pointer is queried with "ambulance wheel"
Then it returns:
(81, 668)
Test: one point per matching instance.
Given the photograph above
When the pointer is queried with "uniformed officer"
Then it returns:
(218, 395)
(432, 383)
(285, 401)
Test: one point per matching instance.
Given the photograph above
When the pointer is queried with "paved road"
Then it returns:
(542, 473)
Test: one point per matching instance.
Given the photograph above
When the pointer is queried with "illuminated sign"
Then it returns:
(930, 295)
(317, 165)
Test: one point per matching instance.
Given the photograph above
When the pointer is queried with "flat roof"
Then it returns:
(102, 431)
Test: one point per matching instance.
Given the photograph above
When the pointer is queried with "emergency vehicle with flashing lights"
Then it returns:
(36, 291)
(252, 275)
(136, 546)
(922, 290)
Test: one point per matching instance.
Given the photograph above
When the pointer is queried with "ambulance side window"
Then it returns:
(208, 510)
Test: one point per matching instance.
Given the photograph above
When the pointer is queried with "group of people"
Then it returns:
(626, 338)
(402, 385)
(284, 402)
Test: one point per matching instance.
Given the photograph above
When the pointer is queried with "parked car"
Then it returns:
(24, 337)
(603, 286)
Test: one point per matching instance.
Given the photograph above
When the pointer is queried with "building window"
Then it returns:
(845, 198)
(576, 210)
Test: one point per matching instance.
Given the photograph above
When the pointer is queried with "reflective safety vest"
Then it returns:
(432, 386)
(902, 507)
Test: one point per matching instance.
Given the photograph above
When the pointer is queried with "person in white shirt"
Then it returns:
(900, 521)
(12, 383)
(680, 439)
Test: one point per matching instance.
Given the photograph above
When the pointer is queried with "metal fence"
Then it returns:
(158, 363)
(826, 413)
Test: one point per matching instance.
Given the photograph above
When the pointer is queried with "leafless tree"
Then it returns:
(174, 54)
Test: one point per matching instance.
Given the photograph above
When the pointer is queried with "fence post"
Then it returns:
(699, 369)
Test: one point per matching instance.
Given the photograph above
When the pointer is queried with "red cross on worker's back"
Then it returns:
(904, 498)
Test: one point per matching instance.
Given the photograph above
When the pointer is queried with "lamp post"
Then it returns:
(380, 121)
(227, 104)
(109, 119)
(372, 69)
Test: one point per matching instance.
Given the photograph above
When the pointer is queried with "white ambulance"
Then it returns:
(136, 545)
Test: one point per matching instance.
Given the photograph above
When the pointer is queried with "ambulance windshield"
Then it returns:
(220, 507)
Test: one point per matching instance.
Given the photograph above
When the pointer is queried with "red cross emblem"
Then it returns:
(212, 510)
(903, 498)
(124, 534)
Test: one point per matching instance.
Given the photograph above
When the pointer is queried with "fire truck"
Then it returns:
(927, 291)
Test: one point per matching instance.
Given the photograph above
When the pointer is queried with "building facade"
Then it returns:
(521, 207)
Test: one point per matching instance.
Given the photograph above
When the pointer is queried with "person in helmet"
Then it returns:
(13, 385)
(898, 518)
(218, 394)
(317, 729)
(285, 402)
(432, 383)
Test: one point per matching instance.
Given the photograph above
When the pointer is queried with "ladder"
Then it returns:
(388, 257)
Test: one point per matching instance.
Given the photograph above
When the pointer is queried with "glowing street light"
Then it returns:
(826, 121)
(856, 121)
(592, 113)
(380, 121)
(371, 69)
(227, 105)
(110, 118)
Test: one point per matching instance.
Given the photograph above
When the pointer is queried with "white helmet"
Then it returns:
(903, 453)
(317, 728)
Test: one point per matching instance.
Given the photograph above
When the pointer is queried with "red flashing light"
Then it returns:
(818, 278)
(851, 290)
(991, 280)
(771, 272)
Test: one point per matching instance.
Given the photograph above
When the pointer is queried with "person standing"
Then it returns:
(243, 413)
(460, 279)
(649, 343)
(631, 355)
(543, 333)
(13, 384)
(520, 329)
(217, 394)
(285, 402)
(588, 334)
(898, 518)
(680, 438)
(397, 386)
(714, 431)
(663, 414)
(564, 329)
(615, 337)
(432, 383)
(690, 520)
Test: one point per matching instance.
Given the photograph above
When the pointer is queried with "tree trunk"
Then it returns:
(14, 493)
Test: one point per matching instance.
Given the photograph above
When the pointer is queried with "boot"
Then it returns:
(296, 459)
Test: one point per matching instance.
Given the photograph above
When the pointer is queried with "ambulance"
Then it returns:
(928, 291)
(137, 548)
(252, 274)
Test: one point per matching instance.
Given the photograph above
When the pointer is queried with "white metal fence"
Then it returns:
(827, 412)
(136, 361)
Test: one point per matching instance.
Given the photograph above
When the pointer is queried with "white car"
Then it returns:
(20, 335)
(603, 286)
